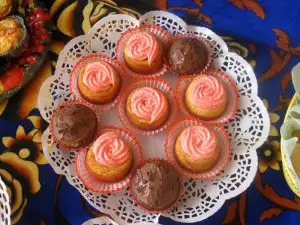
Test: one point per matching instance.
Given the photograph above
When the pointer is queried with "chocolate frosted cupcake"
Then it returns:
(187, 55)
(156, 186)
(74, 126)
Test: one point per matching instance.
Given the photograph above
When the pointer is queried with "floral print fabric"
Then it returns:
(39, 196)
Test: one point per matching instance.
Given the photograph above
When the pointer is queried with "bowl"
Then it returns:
(287, 173)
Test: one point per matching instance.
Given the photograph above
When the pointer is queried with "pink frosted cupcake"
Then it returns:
(206, 97)
(197, 150)
(147, 106)
(141, 51)
(211, 96)
(97, 79)
(108, 164)
(99, 82)
(110, 158)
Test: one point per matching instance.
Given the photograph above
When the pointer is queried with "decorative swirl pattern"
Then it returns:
(198, 142)
(148, 103)
(110, 149)
(141, 46)
(99, 76)
(208, 92)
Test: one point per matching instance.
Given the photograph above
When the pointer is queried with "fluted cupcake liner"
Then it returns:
(230, 87)
(158, 84)
(170, 208)
(223, 142)
(76, 71)
(205, 43)
(60, 107)
(160, 33)
(95, 185)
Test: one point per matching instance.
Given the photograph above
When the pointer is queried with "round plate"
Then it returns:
(247, 131)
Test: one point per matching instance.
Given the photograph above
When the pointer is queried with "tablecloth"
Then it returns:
(265, 32)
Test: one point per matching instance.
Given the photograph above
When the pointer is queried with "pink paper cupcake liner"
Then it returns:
(155, 211)
(52, 137)
(76, 71)
(224, 142)
(160, 33)
(91, 182)
(206, 44)
(233, 97)
(158, 84)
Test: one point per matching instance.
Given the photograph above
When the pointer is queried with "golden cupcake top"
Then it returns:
(11, 33)
(5, 7)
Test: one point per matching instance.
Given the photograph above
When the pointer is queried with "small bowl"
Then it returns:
(23, 43)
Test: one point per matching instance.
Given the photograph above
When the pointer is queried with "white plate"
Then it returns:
(247, 130)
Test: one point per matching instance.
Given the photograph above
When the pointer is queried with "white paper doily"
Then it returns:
(106, 221)
(248, 130)
(4, 205)
(97, 221)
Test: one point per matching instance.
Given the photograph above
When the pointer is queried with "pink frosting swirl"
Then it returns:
(208, 92)
(148, 103)
(141, 46)
(99, 76)
(198, 142)
(110, 150)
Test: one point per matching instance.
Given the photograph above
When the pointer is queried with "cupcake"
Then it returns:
(110, 158)
(74, 126)
(197, 149)
(206, 97)
(147, 108)
(6, 6)
(13, 36)
(187, 55)
(143, 52)
(156, 186)
(99, 82)
(107, 166)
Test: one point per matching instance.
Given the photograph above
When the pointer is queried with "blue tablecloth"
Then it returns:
(266, 33)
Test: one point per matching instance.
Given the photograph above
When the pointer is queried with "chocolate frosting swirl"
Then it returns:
(187, 55)
(75, 125)
(156, 185)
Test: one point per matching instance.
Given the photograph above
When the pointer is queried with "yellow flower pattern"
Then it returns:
(21, 178)
(27, 146)
(269, 155)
